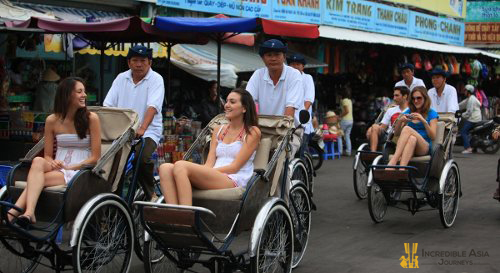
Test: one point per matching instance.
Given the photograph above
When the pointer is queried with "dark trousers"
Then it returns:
(465, 133)
(146, 166)
(305, 143)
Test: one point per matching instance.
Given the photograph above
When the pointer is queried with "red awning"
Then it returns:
(131, 29)
(297, 30)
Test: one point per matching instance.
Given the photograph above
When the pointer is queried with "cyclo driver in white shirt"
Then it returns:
(379, 131)
(443, 96)
(277, 88)
(141, 89)
(407, 70)
(298, 62)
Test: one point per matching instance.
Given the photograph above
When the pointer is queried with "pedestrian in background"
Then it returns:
(346, 121)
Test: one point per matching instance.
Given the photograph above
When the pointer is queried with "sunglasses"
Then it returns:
(417, 98)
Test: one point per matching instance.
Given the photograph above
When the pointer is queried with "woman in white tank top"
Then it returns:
(78, 135)
(230, 159)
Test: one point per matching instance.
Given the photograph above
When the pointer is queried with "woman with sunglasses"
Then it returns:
(416, 128)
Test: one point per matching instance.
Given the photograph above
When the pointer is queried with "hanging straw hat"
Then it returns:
(50, 75)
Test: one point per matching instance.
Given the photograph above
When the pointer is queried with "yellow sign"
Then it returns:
(454, 8)
(411, 261)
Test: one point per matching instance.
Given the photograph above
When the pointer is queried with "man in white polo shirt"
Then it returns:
(277, 88)
(298, 62)
(443, 96)
(141, 89)
(407, 70)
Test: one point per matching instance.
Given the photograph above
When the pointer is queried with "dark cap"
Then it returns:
(407, 66)
(140, 51)
(272, 45)
(439, 71)
(296, 58)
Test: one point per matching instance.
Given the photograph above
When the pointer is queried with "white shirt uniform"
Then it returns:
(388, 115)
(148, 92)
(273, 99)
(447, 103)
(309, 94)
(473, 109)
(414, 83)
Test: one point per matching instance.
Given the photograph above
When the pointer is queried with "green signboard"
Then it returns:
(483, 11)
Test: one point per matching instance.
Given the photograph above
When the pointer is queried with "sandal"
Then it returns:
(23, 221)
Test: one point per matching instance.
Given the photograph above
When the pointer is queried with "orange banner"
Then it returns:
(482, 33)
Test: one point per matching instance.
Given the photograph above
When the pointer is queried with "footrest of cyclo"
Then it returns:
(393, 179)
(176, 226)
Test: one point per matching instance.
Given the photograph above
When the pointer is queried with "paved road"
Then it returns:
(344, 238)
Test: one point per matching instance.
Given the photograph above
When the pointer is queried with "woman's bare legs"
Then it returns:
(167, 183)
(188, 175)
(410, 143)
(40, 175)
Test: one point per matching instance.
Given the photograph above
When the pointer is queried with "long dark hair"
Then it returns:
(250, 117)
(427, 101)
(61, 105)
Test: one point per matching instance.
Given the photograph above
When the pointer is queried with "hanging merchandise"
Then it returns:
(468, 68)
(476, 69)
(427, 63)
(450, 65)
(417, 61)
(456, 65)
(484, 71)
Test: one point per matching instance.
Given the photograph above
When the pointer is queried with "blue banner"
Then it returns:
(356, 14)
(256, 8)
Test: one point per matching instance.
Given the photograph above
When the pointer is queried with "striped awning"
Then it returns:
(73, 14)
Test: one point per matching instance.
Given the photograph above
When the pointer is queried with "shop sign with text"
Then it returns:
(454, 8)
(483, 11)
(356, 14)
(482, 33)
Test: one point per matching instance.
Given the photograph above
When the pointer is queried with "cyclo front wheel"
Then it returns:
(156, 261)
(377, 204)
(360, 179)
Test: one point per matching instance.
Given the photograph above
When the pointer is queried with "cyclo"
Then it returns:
(432, 180)
(272, 214)
(94, 205)
(362, 160)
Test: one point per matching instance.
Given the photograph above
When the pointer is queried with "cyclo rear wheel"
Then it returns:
(449, 199)
(377, 204)
(300, 211)
(275, 246)
(105, 240)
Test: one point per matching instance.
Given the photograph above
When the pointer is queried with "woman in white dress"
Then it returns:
(77, 132)
(230, 159)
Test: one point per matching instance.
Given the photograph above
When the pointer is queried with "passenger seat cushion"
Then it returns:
(222, 194)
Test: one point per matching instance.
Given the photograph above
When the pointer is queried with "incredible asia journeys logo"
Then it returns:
(441, 257)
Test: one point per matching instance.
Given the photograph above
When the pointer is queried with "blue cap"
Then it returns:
(140, 51)
(407, 66)
(272, 45)
(439, 71)
(296, 58)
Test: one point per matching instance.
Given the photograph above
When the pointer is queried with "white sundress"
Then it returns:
(226, 153)
(71, 150)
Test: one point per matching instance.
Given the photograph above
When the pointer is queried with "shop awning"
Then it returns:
(9, 11)
(130, 29)
(297, 30)
(73, 14)
(377, 38)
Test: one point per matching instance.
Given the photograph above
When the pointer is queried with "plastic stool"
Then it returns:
(330, 150)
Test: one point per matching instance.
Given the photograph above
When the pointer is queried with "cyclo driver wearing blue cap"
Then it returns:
(277, 88)
(141, 89)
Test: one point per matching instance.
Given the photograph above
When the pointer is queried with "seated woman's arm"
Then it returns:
(399, 124)
(249, 146)
(213, 146)
(48, 148)
(429, 128)
(95, 143)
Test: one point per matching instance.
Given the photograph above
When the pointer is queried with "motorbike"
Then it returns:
(315, 147)
(480, 136)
